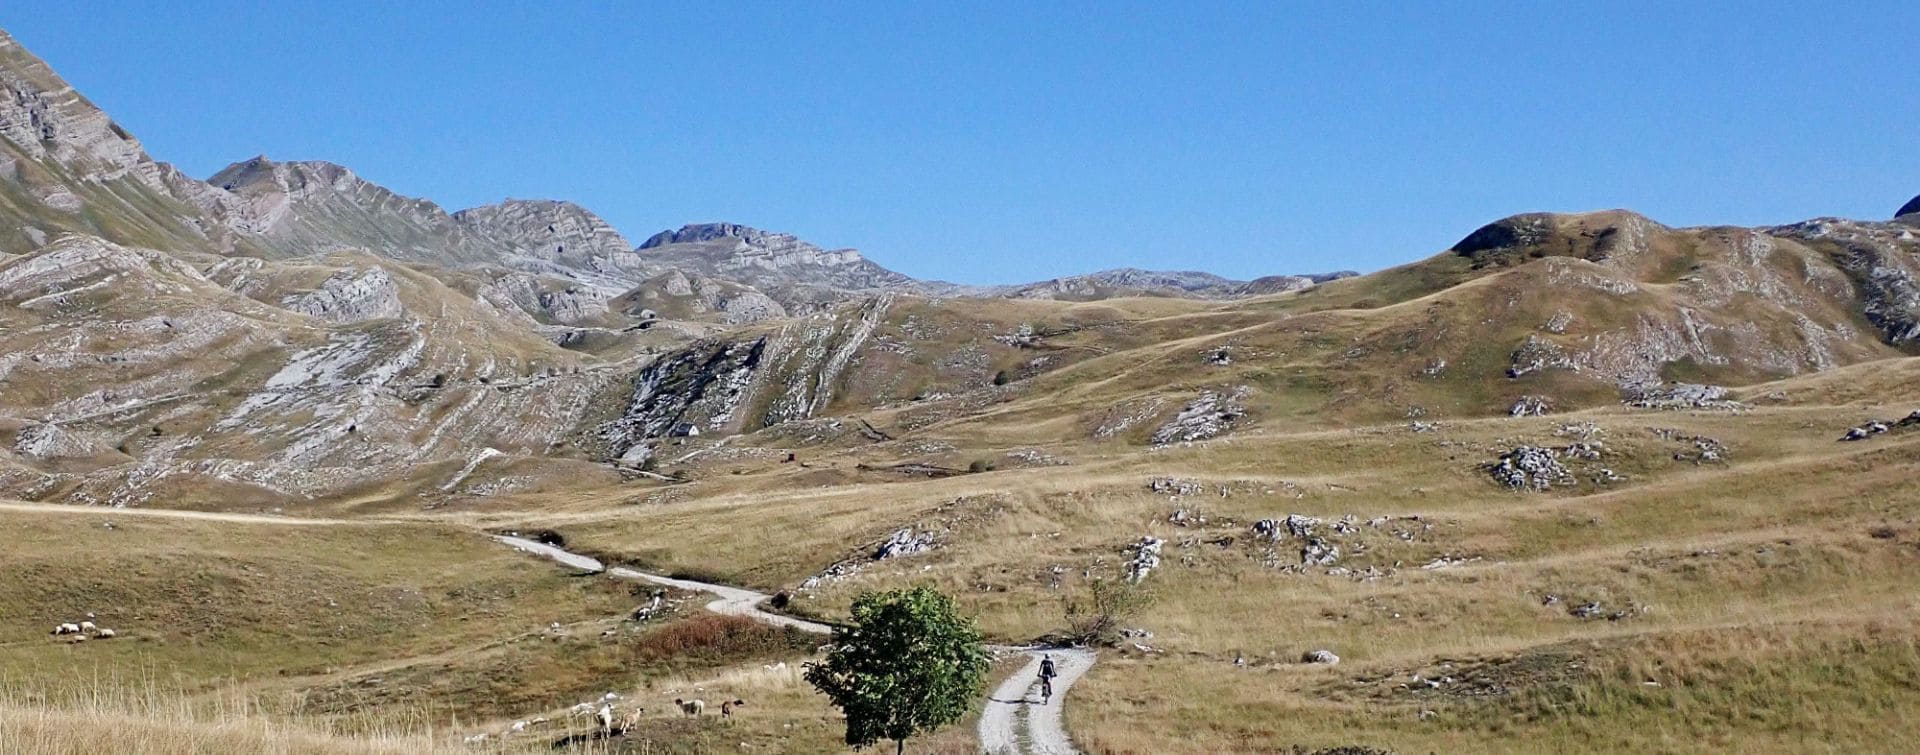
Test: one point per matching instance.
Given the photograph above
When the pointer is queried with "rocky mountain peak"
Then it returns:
(46, 118)
(778, 248)
(260, 175)
(1594, 236)
(1910, 208)
(556, 238)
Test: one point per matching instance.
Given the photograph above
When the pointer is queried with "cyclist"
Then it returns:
(1046, 679)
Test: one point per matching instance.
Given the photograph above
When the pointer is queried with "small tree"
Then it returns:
(1108, 604)
(910, 663)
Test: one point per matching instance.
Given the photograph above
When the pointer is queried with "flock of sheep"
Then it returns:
(607, 719)
(80, 631)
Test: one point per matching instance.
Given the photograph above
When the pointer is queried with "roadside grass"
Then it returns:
(146, 720)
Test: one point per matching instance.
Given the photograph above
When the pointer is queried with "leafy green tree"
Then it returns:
(909, 663)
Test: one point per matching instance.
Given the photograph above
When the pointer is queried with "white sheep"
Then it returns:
(106, 634)
(517, 727)
(480, 738)
(87, 627)
(580, 711)
(691, 707)
(66, 629)
(605, 717)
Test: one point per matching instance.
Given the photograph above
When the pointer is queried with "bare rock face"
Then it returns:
(80, 171)
(313, 207)
(545, 299)
(1213, 413)
(802, 277)
(679, 295)
(1883, 261)
(557, 238)
(351, 296)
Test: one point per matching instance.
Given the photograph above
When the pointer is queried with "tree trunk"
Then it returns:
(899, 747)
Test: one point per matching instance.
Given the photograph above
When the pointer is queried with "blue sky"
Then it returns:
(998, 142)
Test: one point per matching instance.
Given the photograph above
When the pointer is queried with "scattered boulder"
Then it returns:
(1530, 406)
(1879, 427)
(903, 542)
(1318, 551)
(1530, 468)
(1537, 354)
(1324, 657)
(1679, 396)
(1146, 558)
(1209, 415)
(1174, 486)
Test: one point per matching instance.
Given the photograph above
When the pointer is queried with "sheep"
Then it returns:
(581, 710)
(87, 627)
(480, 738)
(107, 634)
(60, 629)
(691, 707)
(517, 727)
(726, 708)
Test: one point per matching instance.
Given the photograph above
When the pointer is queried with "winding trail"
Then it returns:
(1015, 700)
(1018, 699)
(731, 601)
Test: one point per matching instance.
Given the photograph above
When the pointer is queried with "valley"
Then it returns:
(347, 472)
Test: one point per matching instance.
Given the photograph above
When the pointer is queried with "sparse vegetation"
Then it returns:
(1104, 609)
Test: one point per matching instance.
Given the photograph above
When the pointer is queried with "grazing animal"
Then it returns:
(580, 711)
(87, 627)
(726, 708)
(691, 707)
(605, 717)
(517, 727)
(66, 629)
(106, 634)
(631, 720)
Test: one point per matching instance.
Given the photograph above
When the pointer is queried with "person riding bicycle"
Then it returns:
(1047, 674)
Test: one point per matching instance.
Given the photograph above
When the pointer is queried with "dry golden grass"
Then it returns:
(1792, 530)
(150, 721)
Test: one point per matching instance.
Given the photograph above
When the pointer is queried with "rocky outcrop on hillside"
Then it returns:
(557, 238)
(66, 166)
(1129, 281)
(800, 276)
(337, 386)
(731, 386)
(1911, 207)
(314, 207)
(1883, 261)
(682, 296)
(351, 296)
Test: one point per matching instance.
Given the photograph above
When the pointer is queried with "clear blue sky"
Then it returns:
(994, 142)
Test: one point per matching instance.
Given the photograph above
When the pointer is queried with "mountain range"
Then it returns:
(291, 329)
